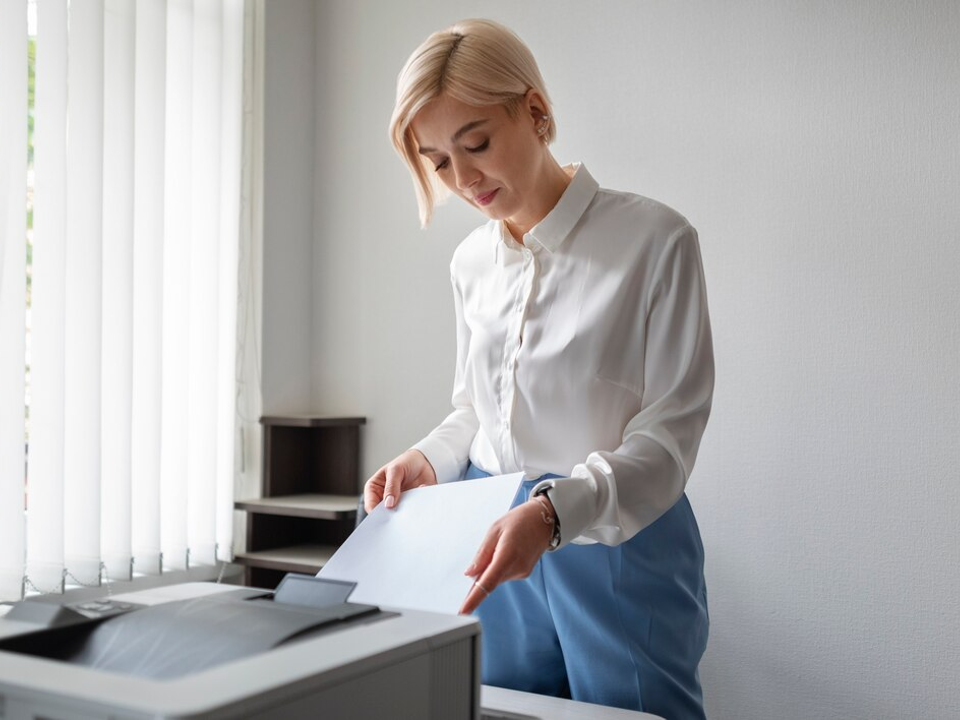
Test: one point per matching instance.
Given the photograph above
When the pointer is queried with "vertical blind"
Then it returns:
(129, 339)
(13, 230)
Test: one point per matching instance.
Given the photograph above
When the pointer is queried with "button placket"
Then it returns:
(511, 351)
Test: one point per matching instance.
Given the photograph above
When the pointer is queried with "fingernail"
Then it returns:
(390, 501)
(470, 570)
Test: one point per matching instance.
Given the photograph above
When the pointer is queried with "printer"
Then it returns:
(204, 650)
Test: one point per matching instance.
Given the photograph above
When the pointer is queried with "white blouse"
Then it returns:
(585, 352)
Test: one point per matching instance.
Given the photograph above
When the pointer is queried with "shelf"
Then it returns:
(309, 495)
(298, 558)
(322, 507)
(310, 421)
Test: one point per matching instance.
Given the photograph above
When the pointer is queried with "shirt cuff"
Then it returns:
(574, 501)
(444, 462)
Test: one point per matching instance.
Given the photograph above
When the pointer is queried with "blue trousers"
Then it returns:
(623, 626)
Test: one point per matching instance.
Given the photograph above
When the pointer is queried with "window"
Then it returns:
(120, 217)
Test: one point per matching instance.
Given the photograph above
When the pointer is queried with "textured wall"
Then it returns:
(815, 147)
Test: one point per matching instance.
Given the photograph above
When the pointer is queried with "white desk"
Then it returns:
(498, 703)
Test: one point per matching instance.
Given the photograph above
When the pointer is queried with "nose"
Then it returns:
(465, 173)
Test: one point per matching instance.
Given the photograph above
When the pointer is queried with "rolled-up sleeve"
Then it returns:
(612, 495)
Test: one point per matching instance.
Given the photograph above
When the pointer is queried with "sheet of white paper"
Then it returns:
(414, 555)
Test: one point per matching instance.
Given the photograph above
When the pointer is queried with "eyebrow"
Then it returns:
(458, 134)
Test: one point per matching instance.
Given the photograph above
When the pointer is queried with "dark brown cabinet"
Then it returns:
(311, 487)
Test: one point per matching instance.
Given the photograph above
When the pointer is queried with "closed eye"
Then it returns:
(476, 149)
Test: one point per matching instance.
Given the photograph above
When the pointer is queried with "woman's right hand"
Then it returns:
(405, 472)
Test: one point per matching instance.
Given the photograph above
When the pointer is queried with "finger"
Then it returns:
(486, 583)
(476, 596)
(393, 486)
(484, 555)
(373, 490)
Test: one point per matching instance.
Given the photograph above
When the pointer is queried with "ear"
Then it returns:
(535, 107)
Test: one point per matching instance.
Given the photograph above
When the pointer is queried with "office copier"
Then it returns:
(203, 650)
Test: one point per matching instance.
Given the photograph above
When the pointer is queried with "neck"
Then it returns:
(551, 186)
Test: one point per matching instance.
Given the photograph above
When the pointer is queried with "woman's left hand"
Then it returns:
(510, 551)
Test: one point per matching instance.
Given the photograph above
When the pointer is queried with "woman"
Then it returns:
(585, 360)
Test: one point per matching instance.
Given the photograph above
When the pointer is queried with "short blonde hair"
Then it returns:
(478, 62)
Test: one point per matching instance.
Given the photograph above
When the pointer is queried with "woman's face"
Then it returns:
(493, 161)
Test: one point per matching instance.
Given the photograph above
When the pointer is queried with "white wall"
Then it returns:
(815, 147)
(288, 189)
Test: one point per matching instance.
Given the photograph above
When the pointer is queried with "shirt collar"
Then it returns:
(550, 232)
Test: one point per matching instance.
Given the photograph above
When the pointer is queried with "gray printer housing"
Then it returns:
(407, 664)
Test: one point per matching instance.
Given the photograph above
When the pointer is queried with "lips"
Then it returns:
(485, 198)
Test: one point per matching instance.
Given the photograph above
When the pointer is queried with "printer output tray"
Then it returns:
(178, 638)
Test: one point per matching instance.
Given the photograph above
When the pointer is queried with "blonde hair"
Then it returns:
(478, 62)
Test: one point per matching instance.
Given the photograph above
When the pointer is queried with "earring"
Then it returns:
(543, 128)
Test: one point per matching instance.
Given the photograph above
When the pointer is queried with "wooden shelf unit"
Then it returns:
(310, 491)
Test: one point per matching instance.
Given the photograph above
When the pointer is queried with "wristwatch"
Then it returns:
(555, 540)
